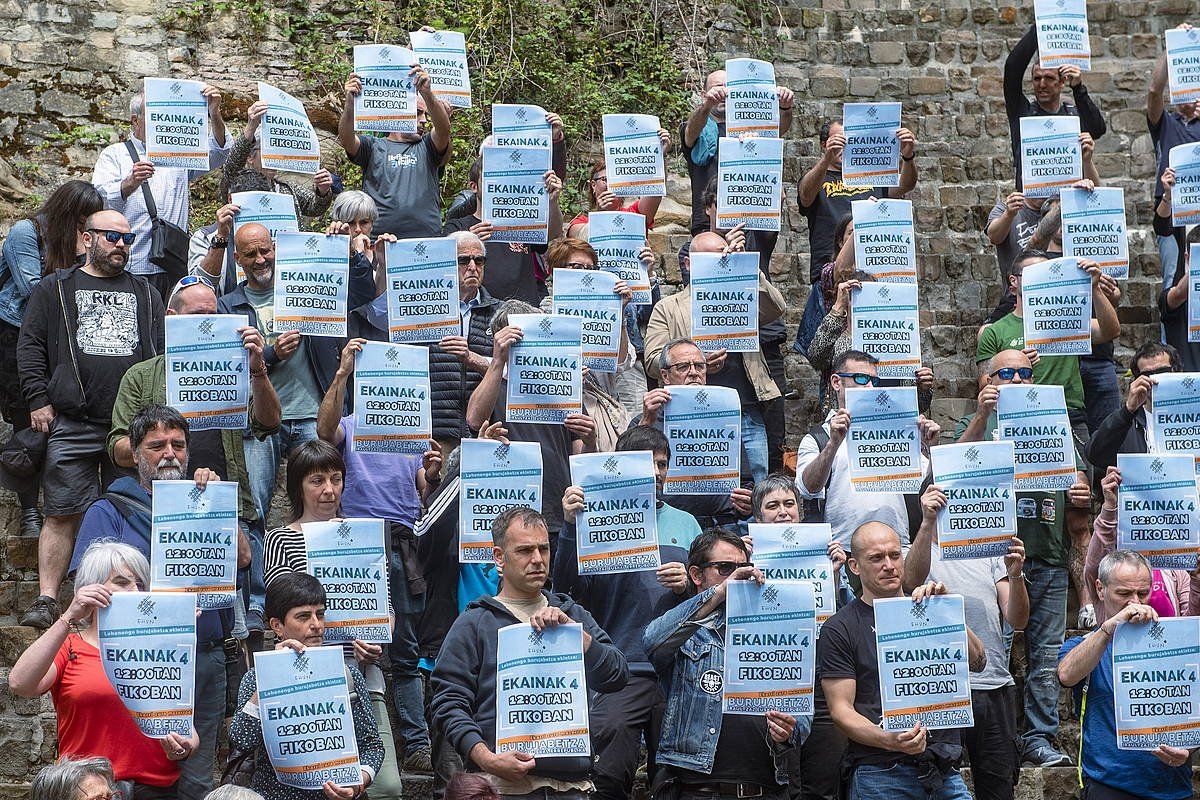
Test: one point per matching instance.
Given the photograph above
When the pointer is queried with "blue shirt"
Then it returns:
(1136, 772)
(1170, 131)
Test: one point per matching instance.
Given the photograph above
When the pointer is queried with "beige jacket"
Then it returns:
(672, 319)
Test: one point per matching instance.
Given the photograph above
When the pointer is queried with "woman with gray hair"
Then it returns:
(354, 214)
(65, 661)
(75, 779)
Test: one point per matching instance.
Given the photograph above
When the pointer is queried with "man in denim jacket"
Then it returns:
(707, 755)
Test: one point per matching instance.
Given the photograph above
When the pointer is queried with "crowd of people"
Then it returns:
(82, 308)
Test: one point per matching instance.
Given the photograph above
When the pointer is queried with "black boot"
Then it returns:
(31, 522)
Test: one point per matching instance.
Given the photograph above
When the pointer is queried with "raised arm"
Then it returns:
(347, 138)
(1156, 102)
(329, 415)
(483, 399)
(1015, 67)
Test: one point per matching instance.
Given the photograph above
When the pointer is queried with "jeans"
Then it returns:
(196, 773)
(902, 782)
(1043, 638)
(252, 585)
(386, 785)
(1101, 392)
(754, 442)
(407, 680)
(1168, 259)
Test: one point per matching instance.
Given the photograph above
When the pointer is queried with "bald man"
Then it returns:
(746, 373)
(83, 328)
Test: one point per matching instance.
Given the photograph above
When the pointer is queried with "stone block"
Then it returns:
(14, 639)
(926, 84)
(864, 86)
(887, 53)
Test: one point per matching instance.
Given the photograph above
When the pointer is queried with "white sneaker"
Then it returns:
(1087, 618)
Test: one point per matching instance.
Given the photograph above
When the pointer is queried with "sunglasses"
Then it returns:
(859, 378)
(1158, 371)
(112, 237)
(480, 261)
(726, 568)
(1008, 373)
(185, 282)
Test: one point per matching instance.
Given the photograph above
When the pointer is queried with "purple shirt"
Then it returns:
(379, 485)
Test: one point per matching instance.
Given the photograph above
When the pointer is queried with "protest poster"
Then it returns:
(299, 693)
(1034, 418)
(443, 54)
(1093, 227)
(884, 323)
(393, 410)
(633, 156)
(1183, 64)
(388, 100)
(871, 156)
(349, 558)
(770, 648)
(541, 691)
(1193, 296)
(883, 444)
(422, 290)
(1051, 157)
(617, 530)
(1173, 424)
(312, 271)
(1062, 34)
(703, 425)
(513, 193)
(1056, 296)
(749, 183)
(1154, 683)
(147, 644)
(591, 296)
(1156, 509)
(275, 211)
(288, 141)
(980, 515)
(208, 370)
(752, 102)
(494, 478)
(545, 381)
(885, 241)
(519, 125)
(724, 289)
(618, 238)
(194, 541)
(798, 551)
(1185, 196)
(923, 672)
(176, 114)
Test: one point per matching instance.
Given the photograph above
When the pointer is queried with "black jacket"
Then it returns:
(437, 551)
(1120, 432)
(464, 680)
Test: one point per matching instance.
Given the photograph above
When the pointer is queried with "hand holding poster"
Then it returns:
(312, 271)
(591, 296)
(148, 650)
(883, 443)
(1093, 227)
(930, 635)
(1174, 414)
(388, 100)
(1051, 157)
(703, 425)
(1193, 296)
(520, 126)
(618, 238)
(422, 290)
(392, 403)
(724, 291)
(1056, 299)
(289, 141)
(885, 324)
(885, 241)
(208, 370)
(797, 551)
(871, 156)
(770, 650)
(348, 557)
(513, 194)
(749, 183)
(541, 691)
(1155, 685)
(495, 477)
(617, 530)
(633, 156)
(752, 103)
(545, 380)
(176, 113)
(443, 54)
(303, 692)
(275, 211)
(1156, 509)
(194, 541)
(1062, 33)
(1034, 418)
(980, 515)
(1183, 64)
(1185, 196)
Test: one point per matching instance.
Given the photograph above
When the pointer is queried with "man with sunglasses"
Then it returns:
(704, 754)
(1124, 430)
(84, 327)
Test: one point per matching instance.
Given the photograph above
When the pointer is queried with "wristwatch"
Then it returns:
(217, 243)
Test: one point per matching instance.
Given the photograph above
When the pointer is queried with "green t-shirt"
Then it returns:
(299, 396)
(1008, 333)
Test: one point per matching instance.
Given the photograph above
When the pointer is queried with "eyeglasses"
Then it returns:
(726, 568)
(1007, 373)
(859, 378)
(112, 237)
(598, 179)
(684, 367)
(480, 261)
(579, 265)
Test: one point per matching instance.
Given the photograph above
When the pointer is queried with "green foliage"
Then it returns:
(86, 135)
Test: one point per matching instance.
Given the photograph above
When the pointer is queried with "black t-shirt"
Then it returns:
(743, 754)
(832, 203)
(511, 271)
(205, 449)
(846, 649)
(107, 335)
(733, 376)
(1175, 326)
